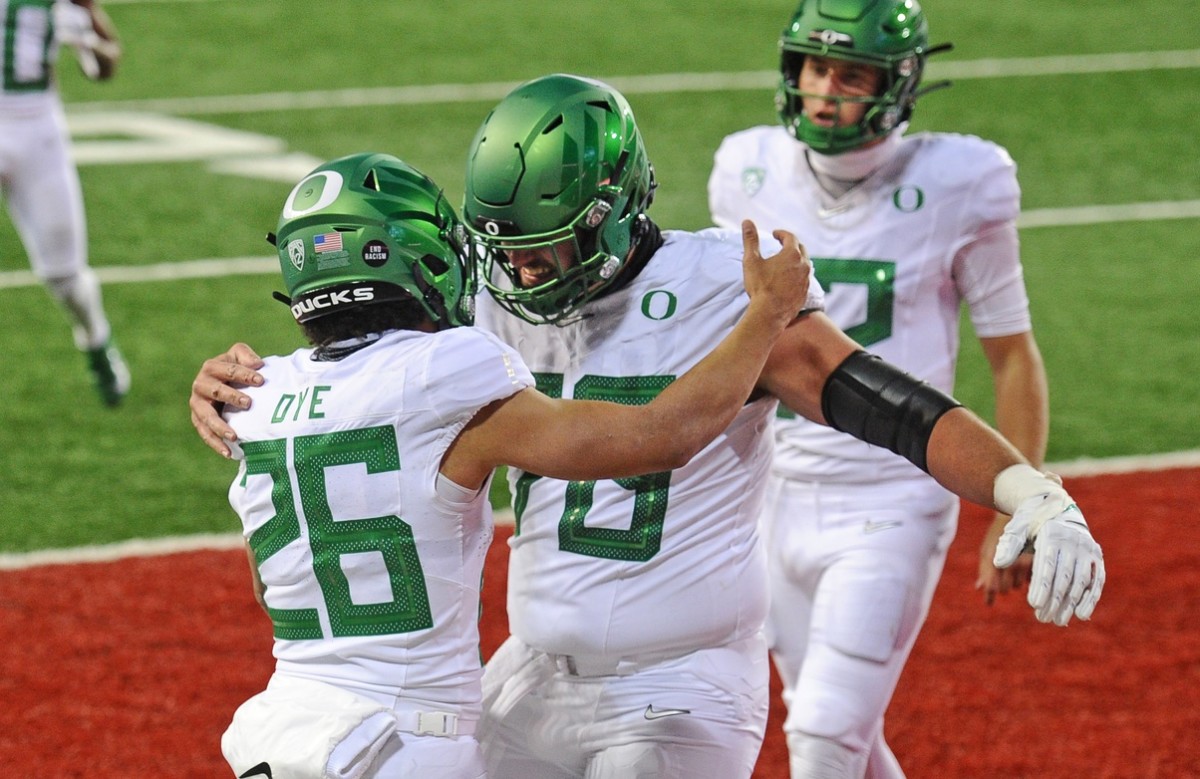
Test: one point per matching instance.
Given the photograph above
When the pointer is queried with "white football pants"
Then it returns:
(853, 570)
(701, 715)
(40, 187)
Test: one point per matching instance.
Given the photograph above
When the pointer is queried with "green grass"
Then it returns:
(1112, 303)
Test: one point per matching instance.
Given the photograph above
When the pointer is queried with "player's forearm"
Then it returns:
(965, 455)
(1022, 404)
(704, 401)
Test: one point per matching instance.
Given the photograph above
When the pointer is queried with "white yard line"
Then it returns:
(633, 85)
(1126, 212)
(248, 266)
(154, 547)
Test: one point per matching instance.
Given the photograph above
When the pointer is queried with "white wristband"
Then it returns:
(1017, 483)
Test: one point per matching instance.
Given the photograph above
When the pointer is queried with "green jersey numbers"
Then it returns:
(330, 537)
(643, 538)
(878, 277)
(26, 45)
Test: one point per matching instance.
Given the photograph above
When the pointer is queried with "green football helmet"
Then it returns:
(559, 161)
(369, 228)
(891, 35)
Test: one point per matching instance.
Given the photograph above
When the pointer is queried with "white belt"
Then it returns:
(434, 723)
(607, 665)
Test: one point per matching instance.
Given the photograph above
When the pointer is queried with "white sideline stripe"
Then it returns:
(103, 553)
(145, 547)
(249, 266)
(662, 83)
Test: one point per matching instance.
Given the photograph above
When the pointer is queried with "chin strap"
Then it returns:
(936, 85)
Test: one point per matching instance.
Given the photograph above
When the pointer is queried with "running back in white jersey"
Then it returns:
(889, 254)
(372, 577)
(667, 562)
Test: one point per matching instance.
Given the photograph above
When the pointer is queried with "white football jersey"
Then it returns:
(668, 562)
(28, 50)
(894, 255)
(372, 575)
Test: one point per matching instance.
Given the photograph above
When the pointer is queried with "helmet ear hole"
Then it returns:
(432, 267)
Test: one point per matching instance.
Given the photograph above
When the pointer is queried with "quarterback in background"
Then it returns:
(365, 462)
(38, 180)
(902, 229)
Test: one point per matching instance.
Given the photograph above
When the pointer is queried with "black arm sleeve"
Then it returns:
(876, 402)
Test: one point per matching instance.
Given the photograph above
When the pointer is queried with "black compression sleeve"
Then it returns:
(876, 402)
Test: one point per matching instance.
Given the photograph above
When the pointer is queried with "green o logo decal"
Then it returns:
(659, 304)
(313, 193)
(908, 199)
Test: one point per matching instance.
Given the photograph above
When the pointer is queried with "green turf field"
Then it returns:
(226, 102)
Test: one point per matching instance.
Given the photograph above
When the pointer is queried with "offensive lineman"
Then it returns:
(636, 605)
(365, 461)
(903, 229)
(38, 179)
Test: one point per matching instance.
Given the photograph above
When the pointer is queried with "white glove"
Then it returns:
(1068, 566)
(74, 26)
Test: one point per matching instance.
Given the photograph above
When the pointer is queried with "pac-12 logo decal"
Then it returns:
(752, 180)
(295, 250)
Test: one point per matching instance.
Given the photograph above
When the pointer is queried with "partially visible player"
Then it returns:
(365, 462)
(38, 180)
(903, 230)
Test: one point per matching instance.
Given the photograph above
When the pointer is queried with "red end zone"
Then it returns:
(134, 667)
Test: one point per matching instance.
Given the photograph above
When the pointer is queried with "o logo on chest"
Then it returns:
(908, 199)
(659, 304)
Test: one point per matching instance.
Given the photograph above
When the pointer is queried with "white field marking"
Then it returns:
(146, 547)
(1081, 468)
(1127, 212)
(122, 138)
(165, 271)
(632, 85)
(250, 266)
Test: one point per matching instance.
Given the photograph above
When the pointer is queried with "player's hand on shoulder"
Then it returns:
(214, 386)
(779, 281)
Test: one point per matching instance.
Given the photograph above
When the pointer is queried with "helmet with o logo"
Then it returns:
(369, 228)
